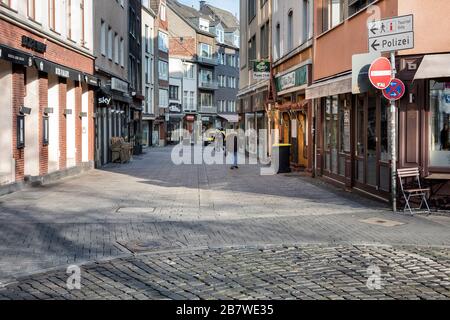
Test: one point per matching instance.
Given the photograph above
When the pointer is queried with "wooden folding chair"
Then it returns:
(413, 189)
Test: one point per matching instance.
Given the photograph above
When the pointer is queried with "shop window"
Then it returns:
(440, 124)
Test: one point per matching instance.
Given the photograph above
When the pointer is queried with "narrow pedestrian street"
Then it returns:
(153, 230)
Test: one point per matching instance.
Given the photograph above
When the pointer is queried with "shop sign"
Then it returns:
(293, 79)
(261, 70)
(104, 100)
(33, 44)
(119, 85)
(60, 71)
(15, 56)
(175, 108)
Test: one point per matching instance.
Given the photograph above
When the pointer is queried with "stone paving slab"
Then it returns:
(271, 272)
(153, 203)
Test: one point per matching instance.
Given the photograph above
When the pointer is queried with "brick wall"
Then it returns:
(62, 124)
(91, 126)
(185, 48)
(43, 103)
(78, 123)
(11, 36)
(18, 93)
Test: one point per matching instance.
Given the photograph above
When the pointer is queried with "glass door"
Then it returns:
(372, 151)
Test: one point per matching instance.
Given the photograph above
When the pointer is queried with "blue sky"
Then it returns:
(230, 5)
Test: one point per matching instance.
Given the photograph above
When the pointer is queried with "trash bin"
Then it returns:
(283, 161)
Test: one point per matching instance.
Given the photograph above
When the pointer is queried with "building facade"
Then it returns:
(292, 47)
(253, 106)
(113, 98)
(148, 72)
(227, 30)
(352, 124)
(193, 52)
(47, 88)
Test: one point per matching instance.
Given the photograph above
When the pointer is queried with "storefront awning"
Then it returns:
(15, 56)
(231, 118)
(335, 86)
(434, 66)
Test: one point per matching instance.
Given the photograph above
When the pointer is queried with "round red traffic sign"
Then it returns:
(395, 90)
(380, 73)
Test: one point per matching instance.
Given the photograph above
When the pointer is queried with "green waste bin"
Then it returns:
(283, 161)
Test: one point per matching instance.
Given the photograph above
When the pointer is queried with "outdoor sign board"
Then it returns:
(391, 34)
(380, 73)
(360, 71)
(261, 70)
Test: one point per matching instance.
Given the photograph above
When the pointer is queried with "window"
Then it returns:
(206, 100)
(251, 10)
(355, 6)
(205, 50)
(306, 20)
(163, 42)
(103, 38)
(220, 35)
(69, 18)
(163, 70)
(332, 13)
(116, 49)
(163, 98)
(440, 124)
(188, 71)
(252, 51)
(277, 41)
(162, 13)
(173, 92)
(206, 76)
(265, 40)
(122, 53)
(52, 14)
(110, 44)
(290, 30)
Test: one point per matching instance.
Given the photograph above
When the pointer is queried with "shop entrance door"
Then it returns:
(371, 163)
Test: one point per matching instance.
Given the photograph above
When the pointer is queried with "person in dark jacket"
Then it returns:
(235, 152)
(445, 143)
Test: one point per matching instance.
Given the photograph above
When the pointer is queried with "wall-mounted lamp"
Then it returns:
(48, 110)
(67, 112)
(25, 110)
(83, 114)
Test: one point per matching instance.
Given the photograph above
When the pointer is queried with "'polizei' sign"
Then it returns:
(391, 34)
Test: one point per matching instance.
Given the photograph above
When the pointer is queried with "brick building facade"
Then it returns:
(46, 97)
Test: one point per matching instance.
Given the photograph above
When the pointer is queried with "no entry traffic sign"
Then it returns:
(395, 90)
(380, 73)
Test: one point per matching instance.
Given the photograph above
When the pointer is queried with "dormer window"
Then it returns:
(203, 24)
(220, 35)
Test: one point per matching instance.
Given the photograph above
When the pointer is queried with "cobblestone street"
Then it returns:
(150, 229)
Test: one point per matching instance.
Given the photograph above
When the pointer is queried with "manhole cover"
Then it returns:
(382, 222)
(131, 210)
(150, 245)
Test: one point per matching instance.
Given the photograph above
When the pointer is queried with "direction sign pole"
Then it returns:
(393, 141)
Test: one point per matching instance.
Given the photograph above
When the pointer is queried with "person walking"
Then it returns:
(235, 152)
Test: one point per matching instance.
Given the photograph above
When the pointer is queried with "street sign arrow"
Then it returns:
(374, 29)
(375, 45)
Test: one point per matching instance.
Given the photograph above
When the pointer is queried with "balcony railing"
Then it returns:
(208, 109)
(213, 60)
(210, 85)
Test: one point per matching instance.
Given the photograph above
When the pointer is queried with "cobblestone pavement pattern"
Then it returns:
(167, 226)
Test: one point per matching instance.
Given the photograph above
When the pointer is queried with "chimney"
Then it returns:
(202, 4)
